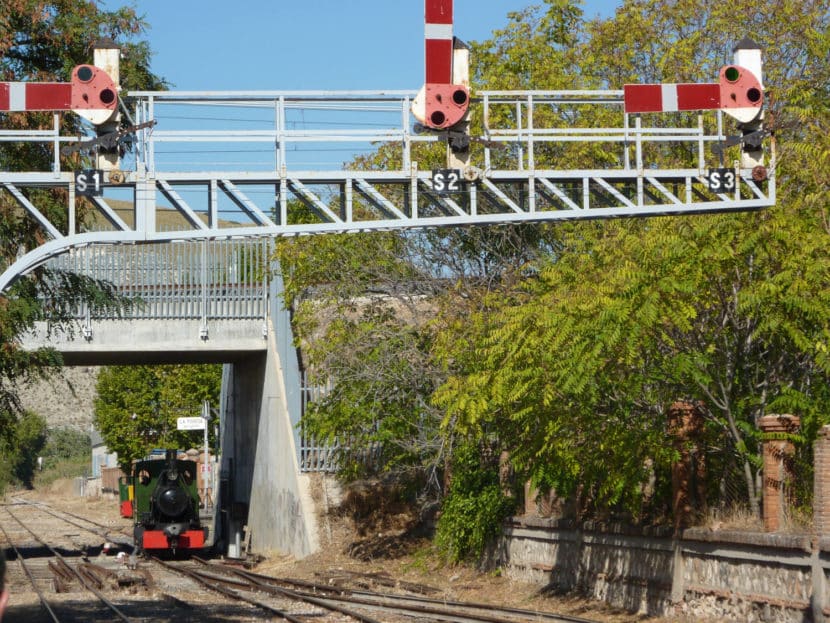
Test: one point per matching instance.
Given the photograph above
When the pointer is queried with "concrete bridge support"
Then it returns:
(261, 406)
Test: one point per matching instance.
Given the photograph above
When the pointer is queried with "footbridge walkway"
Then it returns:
(197, 301)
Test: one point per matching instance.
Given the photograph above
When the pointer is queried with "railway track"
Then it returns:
(184, 590)
(55, 577)
(62, 572)
(72, 588)
(353, 603)
(120, 536)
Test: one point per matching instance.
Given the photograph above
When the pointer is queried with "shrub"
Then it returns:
(475, 507)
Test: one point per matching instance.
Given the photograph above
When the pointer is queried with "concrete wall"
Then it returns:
(243, 392)
(706, 575)
(281, 514)
(629, 571)
(261, 407)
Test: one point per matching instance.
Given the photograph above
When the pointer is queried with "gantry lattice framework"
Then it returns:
(252, 164)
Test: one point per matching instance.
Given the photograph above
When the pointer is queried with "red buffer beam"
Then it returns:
(91, 94)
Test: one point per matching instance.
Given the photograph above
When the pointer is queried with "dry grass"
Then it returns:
(741, 518)
(732, 518)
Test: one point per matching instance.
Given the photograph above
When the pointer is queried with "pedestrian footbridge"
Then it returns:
(210, 301)
(186, 302)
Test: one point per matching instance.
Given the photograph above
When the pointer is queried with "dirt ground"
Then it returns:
(388, 549)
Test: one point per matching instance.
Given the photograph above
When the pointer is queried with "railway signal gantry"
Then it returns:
(257, 164)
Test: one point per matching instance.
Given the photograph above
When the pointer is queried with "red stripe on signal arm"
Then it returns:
(48, 95)
(439, 61)
(31, 96)
(639, 98)
(698, 96)
(642, 98)
(438, 11)
(438, 41)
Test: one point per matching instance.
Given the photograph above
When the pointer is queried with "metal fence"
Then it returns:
(207, 279)
(317, 456)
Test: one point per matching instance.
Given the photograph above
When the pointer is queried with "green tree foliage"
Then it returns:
(567, 344)
(377, 407)
(43, 41)
(575, 374)
(19, 450)
(137, 406)
(476, 504)
(65, 443)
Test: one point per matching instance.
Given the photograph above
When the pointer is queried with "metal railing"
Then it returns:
(208, 279)
(317, 456)
(304, 131)
(254, 164)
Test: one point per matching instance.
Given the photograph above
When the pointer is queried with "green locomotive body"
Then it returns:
(166, 504)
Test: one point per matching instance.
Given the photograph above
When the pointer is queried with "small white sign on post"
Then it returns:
(190, 423)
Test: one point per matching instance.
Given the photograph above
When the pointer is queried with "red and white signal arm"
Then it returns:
(738, 93)
(91, 94)
(440, 103)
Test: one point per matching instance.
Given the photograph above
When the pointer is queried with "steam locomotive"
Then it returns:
(166, 505)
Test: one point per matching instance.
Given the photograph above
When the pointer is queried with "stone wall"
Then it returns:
(610, 563)
(66, 400)
(704, 574)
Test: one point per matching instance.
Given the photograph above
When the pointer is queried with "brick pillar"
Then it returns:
(685, 425)
(538, 505)
(778, 468)
(821, 483)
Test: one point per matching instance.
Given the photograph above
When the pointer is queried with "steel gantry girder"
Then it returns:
(214, 165)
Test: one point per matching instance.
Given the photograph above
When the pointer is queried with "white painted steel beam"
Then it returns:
(287, 136)
(14, 191)
(110, 214)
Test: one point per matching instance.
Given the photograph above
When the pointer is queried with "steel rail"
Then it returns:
(43, 601)
(453, 611)
(537, 615)
(104, 533)
(401, 603)
(254, 582)
(227, 592)
(84, 582)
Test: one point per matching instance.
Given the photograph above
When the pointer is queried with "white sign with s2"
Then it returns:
(446, 181)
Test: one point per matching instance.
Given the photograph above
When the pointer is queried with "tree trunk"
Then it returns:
(751, 490)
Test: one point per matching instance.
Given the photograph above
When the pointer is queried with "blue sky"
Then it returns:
(206, 45)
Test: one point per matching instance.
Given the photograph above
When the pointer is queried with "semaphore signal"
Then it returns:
(91, 94)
